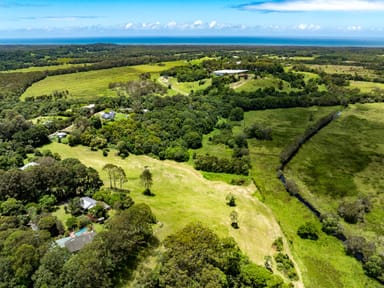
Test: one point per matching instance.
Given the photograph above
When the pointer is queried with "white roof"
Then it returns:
(87, 202)
(30, 164)
(229, 71)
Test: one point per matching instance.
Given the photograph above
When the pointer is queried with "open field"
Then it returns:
(183, 88)
(89, 85)
(366, 87)
(345, 161)
(323, 262)
(344, 69)
(260, 83)
(184, 196)
(46, 68)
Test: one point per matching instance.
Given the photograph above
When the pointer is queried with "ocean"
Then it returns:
(242, 41)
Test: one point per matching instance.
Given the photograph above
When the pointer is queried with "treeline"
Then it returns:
(290, 151)
(210, 163)
(188, 73)
(63, 179)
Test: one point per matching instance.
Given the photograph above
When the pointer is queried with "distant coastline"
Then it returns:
(204, 40)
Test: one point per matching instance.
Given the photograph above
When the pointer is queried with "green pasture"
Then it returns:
(46, 68)
(184, 196)
(260, 83)
(323, 263)
(93, 84)
(344, 69)
(366, 87)
(345, 161)
(183, 88)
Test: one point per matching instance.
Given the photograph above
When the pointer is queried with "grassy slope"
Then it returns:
(347, 157)
(183, 196)
(46, 68)
(94, 83)
(323, 263)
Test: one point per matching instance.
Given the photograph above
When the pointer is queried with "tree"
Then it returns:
(110, 168)
(231, 200)
(146, 178)
(47, 202)
(237, 114)
(74, 206)
(12, 207)
(51, 224)
(234, 219)
(72, 223)
(51, 267)
(308, 231)
(120, 174)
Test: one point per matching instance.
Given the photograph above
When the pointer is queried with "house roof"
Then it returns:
(30, 164)
(87, 203)
(77, 243)
(229, 71)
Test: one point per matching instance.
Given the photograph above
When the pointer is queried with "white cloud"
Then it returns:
(308, 27)
(197, 24)
(354, 28)
(212, 24)
(128, 26)
(316, 5)
(171, 25)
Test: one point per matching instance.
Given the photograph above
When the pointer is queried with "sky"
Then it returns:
(96, 18)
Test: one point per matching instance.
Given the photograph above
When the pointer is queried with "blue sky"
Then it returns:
(82, 18)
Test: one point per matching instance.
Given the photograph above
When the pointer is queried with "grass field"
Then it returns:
(183, 88)
(92, 84)
(265, 82)
(344, 69)
(46, 68)
(366, 87)
(323, 262)
(345, 161)
(184, 196)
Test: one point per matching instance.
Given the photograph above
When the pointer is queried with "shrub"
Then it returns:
(231, 200)
(308, 231)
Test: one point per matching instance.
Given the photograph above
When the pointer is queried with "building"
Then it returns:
(228, 72)
(74, 244)
(109, 115)
(87, 203)
(28, 165)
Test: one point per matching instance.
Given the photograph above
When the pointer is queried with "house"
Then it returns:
(75, 244)
(61, 135)
(109, 115)
(87, 203)
(28, 165)
(76, 241)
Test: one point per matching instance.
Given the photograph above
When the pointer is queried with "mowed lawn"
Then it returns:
(93, 84)
(184, 196)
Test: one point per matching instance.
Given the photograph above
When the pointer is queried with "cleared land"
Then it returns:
(46, 68)
(323, 263)
(345, 161)
(366, 87)
(92, 84)
(184, 196)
